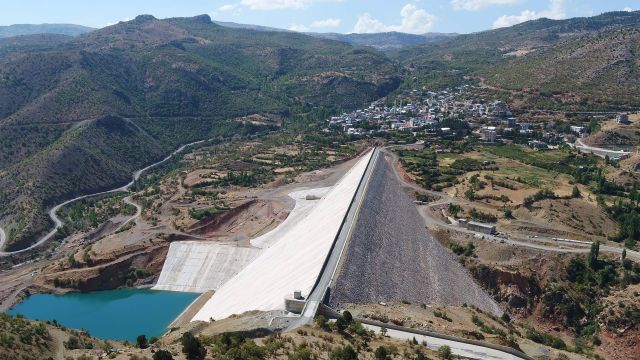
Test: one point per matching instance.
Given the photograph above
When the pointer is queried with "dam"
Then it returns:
(294, 262)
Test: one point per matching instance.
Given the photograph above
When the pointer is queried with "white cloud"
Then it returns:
(280, 4)
(228, 8)
(475, 5)
(557, 10)
(326, 23)
(414, 20)
(298, 28)
(627, 9)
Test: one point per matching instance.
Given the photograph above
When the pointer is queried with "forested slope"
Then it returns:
(58, 137)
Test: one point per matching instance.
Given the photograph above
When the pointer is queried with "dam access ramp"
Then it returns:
(302, 261)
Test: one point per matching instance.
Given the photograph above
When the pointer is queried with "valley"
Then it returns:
(286, 195)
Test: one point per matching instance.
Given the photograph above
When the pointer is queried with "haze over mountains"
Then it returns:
(32, 29)
(381, 41)
(80, 114)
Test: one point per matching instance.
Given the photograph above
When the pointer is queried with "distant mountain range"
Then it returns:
(592, 61)
(381, 41)
(31, 29)
(385, 41)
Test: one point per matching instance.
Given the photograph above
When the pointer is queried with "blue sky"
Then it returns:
(346, 16)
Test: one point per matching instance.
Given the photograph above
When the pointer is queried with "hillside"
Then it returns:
(597, 70)
(32, 29)
(385, 41)
(446, 62)
(174, 80)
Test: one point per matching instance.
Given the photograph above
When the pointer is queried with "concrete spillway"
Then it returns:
(197, 266)
(294, 262)
(200, 266)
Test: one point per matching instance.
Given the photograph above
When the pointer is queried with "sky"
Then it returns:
(343, 16)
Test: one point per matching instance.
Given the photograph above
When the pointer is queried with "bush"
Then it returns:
(302, 352)
(192, 347)
(546, 339)
(142, 342)
(381, 353)
(506, 318)
(345, 353)
(322, 323)
(445, 352)
(468, 250)
(454, 209)
(73, 343)
(162, 355)
(347, 317)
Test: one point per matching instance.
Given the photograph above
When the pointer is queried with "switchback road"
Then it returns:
(58, 223)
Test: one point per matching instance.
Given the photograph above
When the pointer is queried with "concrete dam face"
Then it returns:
(294, 262)
(392, 257)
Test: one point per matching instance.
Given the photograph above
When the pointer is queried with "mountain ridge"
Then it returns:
(178, 79)
(33, 29)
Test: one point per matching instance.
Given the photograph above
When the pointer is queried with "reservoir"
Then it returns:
(121, 314)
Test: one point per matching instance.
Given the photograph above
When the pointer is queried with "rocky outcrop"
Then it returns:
(135, 268)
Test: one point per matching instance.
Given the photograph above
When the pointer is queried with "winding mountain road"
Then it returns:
(3, 237)
(58, 223)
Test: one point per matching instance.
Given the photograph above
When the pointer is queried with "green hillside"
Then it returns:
(183, 76)
(597, 71)
(445, 63)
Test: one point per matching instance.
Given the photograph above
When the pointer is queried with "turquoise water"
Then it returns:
(121, 314)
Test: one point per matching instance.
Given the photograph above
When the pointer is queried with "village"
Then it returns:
(459, 113)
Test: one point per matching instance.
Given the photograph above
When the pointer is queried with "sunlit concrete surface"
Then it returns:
(302, 208)
(293, 262)
(198, 266)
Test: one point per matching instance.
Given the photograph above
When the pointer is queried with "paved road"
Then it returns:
(328, 272)
(58, 223)
(602, 152)
(468, 351)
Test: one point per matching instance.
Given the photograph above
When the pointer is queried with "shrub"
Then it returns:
(445, 352)
(142, 342)
(381, 353)
(302, 352)
(192, 347)
(162, 355)
(322, 323)
(345, 353)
